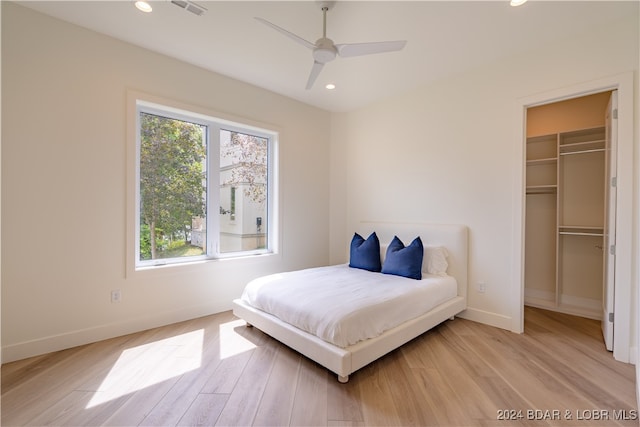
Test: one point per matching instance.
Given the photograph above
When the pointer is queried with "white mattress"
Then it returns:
(344, 305)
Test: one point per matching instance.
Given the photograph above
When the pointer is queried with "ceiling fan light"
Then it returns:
(517, 2)
(143, 6)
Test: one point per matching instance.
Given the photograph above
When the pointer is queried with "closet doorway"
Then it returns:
(570, 202)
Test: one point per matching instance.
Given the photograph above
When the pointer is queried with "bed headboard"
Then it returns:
(451, 236)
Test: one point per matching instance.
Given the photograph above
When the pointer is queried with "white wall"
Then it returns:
(64, 205)
(447, 153)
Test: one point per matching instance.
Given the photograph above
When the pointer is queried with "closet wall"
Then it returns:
(565, 205)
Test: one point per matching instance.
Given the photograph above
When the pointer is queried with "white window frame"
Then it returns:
(213, 125)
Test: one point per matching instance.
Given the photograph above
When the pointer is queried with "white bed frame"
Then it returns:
(345, 361)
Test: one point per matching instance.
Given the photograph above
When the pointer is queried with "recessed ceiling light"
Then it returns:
(517, 2)
(143, 6)
(330, 86)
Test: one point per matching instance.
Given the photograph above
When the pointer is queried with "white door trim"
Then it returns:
(624, 212)
(611, 195)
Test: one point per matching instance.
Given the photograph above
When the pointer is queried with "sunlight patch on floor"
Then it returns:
(231, 342)
(145, 365)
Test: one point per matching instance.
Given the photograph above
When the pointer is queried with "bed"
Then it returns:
(347, 355)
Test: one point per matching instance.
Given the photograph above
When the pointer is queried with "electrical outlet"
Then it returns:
(482, 287)
(116, 296)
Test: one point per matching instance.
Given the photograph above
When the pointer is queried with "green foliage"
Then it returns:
(172, 154)
(145, 242)
(175, 244)
(179, 248)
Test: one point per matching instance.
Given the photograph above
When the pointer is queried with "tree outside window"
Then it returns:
(172, 185)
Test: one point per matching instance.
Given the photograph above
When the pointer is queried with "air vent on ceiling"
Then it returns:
(190, 6)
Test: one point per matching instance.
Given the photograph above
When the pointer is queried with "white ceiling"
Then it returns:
(444, 37)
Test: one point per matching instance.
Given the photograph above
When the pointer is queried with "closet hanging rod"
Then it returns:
(537, 162)
(541, 191)
(576, 144)
(575, 233)
(595, 150)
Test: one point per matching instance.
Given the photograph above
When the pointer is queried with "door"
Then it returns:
(611, 141)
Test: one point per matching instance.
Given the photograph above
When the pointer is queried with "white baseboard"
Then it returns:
(587, 303)
(78, 337)
(577, 306)
(486, 317)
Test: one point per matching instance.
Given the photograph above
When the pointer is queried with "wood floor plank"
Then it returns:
(541, 390)
(608, 379)
(464, 354)
(343, 400)
(147, 403)
(216, 371)
(236, 343)
(61, 410)
(406, 393)
(440, 399)
(415, 356)
(564, 323)
(205, 410)
(139, 405)
(243, 402)
(346, 424)
(377, 408)
(224, 378)
(555, 364)
(67, 373)
(74, 410)
(479, 405)
(277, 400)
(196, 359)
(312, 381)
(17, 373)
(567, 371)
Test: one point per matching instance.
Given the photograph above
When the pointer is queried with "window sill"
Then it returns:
(181, 266)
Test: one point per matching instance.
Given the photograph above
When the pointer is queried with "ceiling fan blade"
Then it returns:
(288, 34)
(315, 70)
(358, 49)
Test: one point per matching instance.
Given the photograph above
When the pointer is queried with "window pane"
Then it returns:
(172, 188)
(243, 192)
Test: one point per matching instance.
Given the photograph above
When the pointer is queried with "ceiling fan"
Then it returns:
(324, 50)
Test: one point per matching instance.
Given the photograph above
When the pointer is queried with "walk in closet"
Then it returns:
(566, 203)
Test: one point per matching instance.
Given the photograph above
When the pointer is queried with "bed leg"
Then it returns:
(248, 325)
(344, 379)
(452, 317)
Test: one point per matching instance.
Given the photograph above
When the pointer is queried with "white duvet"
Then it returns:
(344, 305)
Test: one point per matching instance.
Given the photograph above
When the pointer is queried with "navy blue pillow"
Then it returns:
(365, 254)
(404, 261)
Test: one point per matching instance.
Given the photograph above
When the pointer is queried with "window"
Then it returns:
(204, 187)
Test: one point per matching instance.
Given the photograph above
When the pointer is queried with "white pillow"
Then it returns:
(435, 260)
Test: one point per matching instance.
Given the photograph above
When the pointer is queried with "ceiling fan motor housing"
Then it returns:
(325, 51)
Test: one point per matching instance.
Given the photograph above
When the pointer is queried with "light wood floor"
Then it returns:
(215, 371)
